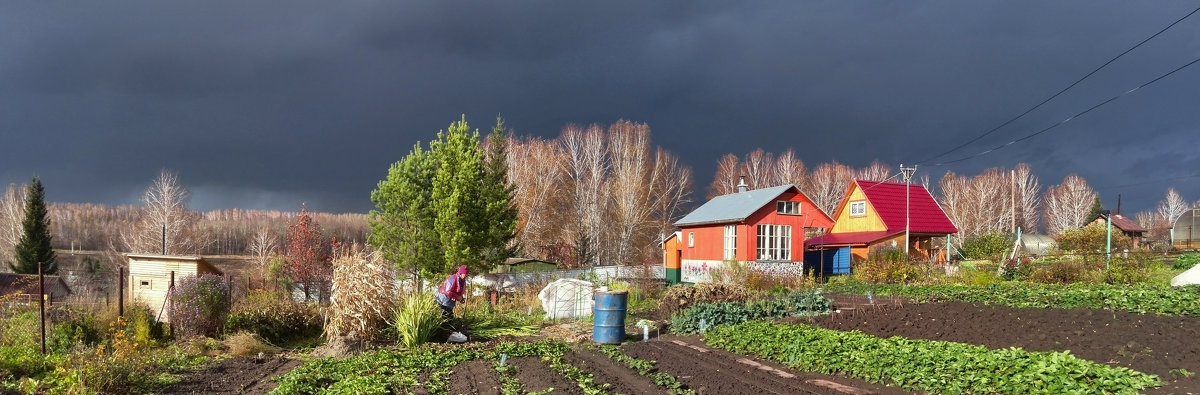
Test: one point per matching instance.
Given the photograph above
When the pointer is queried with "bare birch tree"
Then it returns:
(166, 224)
(587, 172)
(954, 191)
(1067, 204)
(535, 170)
(827, 184)
(1028, 197)
(726, 180)
(1172, 206)
(633, 174)
(12, 213)
(758, 168)
(672, 193)
(877, 171)
(262, 244)
(789, 170)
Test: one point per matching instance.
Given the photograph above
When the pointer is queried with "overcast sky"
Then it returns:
(269, 104)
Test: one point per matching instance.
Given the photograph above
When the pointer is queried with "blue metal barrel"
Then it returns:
(608, 322)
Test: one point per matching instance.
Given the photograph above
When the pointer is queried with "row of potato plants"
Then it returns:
(926, 365)
(1141, 298)
(398, 371)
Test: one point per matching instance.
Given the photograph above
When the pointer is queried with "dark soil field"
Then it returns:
(234, 376)
(1161, 345)
(1147, 343)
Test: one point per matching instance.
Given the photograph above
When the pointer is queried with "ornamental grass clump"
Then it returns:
(199, 305)
(362, 295)
(418, 318)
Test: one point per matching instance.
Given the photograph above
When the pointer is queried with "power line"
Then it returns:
(1081, 113)
(1043, 102)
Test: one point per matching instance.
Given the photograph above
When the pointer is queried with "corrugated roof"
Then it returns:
(733, 207)
(850, 238)
(925, 215)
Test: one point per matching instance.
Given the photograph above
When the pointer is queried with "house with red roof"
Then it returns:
(873, 215)
(1124, 225)
(763, 228)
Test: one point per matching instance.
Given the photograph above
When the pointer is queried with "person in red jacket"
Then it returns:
(451, 291)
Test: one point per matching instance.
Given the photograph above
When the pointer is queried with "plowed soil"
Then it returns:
(621, 379)
(474, 377)
(235, 376)
(1146, 343)
(536, 376)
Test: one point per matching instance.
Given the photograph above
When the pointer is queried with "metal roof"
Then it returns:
(850, 238)
(733, 207)
(888, 200)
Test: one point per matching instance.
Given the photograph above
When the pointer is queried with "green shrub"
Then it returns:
(1091, 239)
(20, 349)
(274, 317)
(417, 319)
(77, 329)
(141, 325)
(1186, 261)
(990, 246)
(1126, 271)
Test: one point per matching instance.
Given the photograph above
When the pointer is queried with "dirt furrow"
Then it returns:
(475, 377)
(622, 379)
(536, 376)
(707, 372)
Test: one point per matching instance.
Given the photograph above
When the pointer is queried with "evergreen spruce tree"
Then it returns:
(500, 218)
(34, 247)
(1096, 210)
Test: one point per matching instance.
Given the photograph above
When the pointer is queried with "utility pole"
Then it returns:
(908, 172)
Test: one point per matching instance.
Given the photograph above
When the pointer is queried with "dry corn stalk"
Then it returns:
(363, 293)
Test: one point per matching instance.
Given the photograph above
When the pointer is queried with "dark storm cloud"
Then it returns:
(261, 105)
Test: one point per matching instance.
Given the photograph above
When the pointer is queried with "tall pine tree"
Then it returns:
(34, 247)
(441, 208)
(500, 214)
(456, 201)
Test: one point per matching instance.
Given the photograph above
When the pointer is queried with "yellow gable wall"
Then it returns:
(865, 223)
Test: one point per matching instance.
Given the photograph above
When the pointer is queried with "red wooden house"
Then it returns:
(763, 228)
(872, 215)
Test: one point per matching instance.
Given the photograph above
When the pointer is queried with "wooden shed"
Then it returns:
(150, 277)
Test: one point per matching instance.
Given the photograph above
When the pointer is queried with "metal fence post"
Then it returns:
(42, 305)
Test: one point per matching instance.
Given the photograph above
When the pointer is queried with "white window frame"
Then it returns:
(787, 207)
(858, 208)
(730, 245)
(774, 242)
(691, 239)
